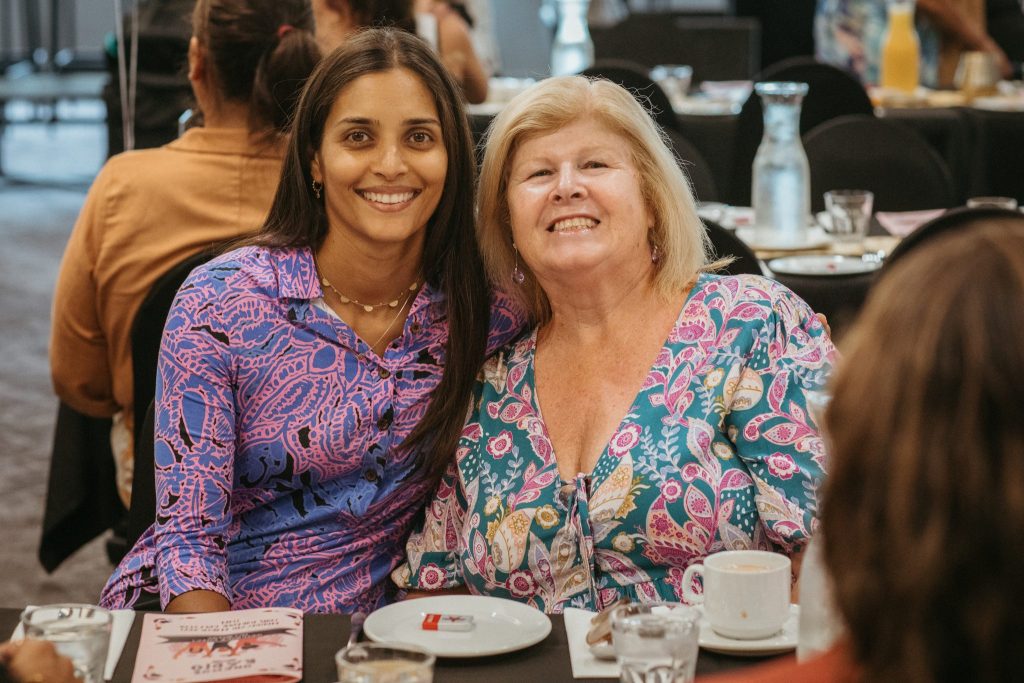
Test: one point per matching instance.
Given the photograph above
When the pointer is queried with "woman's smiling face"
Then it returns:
(382, 160)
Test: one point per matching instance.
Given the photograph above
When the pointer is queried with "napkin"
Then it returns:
(120, 627)
(902, 223)
(584, 664)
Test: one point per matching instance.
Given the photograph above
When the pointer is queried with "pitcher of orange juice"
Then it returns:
(901, 50)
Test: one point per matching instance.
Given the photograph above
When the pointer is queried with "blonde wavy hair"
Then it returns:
(678, 232)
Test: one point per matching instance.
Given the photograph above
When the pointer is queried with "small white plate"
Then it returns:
(500, 625)
(783, 641)
(729, 217)
(822, 265)
(814, 238)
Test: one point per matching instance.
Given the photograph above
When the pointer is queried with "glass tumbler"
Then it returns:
(79, 632)
(850, 213)
(656, 642)
(384, 663)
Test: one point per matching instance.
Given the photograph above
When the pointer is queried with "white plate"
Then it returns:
(783, 641)
(499, 625)
(729, 217)
(814, 237)
(822, 264)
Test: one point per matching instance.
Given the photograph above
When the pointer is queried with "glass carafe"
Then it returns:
(782, 188)
(572, 50)
(901, 49)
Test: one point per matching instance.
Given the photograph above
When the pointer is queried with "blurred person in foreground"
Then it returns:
(313, 383)
(435, 22)
(34, 661)
(656, 412)
(923, 515)
(149, 209)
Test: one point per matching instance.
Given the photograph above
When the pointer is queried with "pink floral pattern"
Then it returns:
(717, 452)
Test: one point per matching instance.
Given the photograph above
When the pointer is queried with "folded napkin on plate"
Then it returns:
(585, 664)
(902, 223)
(121, 626)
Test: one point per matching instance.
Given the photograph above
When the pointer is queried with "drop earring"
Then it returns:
(518, 276)
(317, 187)
(655, 254)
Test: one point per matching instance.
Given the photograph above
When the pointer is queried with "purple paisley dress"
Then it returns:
(280, 477)
(718, 451)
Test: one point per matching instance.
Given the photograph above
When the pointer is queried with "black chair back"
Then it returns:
(725, 243)
(831, 93)
(718, 48)
(886, 157)
(142, 512)
(954, 220)
(634, 78)
(695, 166)
(147, 329)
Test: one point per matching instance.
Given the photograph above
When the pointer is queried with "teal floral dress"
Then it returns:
(717, 452)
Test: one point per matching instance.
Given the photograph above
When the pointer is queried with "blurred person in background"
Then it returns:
(437, 23)
(149, 209)
(926, 559)
(849, 34)
(34, 661)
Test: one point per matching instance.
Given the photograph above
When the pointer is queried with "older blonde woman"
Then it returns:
(655, 413)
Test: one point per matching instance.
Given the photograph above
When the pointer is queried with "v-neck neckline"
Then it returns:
(531, 380)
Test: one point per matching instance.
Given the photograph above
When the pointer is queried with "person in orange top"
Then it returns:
(923, 512)
(149, 209)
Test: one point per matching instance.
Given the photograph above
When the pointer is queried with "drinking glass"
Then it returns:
(992, 203)
(656, 642)
(820, 623)
(674, 79)
(850, 211)
(384, 663)
(79, 632)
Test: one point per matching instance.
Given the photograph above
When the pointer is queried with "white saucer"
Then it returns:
(822, 265)
(499, 625)
(783, 641)
(814, 237)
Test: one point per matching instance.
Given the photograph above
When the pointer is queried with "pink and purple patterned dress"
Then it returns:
(717, 452)
(280, 477)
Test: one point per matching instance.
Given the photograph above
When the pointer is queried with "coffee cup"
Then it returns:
(746, 592)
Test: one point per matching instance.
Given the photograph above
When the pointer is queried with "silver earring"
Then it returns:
(518, 276)
(317, 187)
(655, 254)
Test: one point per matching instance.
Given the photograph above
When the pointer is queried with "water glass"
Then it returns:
(384, 663)
(674, 79)
(79, 632)
(656, 642)
(850, 213)
(1008, 203)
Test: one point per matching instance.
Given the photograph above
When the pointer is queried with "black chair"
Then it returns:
(725, 243)
(831, 93)
(142, 512)
(634, 78)
(147, 329)
(718, 48)
(954, 220)
(695, 166)
(886, 157)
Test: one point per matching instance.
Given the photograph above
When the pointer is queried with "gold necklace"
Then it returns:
(387, 329)
(369, 308)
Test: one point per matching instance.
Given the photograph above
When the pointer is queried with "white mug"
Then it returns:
(746, 592)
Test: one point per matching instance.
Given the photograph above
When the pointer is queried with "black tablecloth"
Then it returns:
(325, 634)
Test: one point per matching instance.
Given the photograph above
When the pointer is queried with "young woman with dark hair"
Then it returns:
(149, 209)
(313, 384)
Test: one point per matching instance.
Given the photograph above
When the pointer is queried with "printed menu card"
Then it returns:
(247, 646)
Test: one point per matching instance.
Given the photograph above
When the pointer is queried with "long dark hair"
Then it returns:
(451, 260)
(261, 52)
(923, 510)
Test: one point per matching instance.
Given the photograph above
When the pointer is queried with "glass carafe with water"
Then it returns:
(572, 50)
(782, 187)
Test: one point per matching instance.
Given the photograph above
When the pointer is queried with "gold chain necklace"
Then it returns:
(369, 308)
(408, 297)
